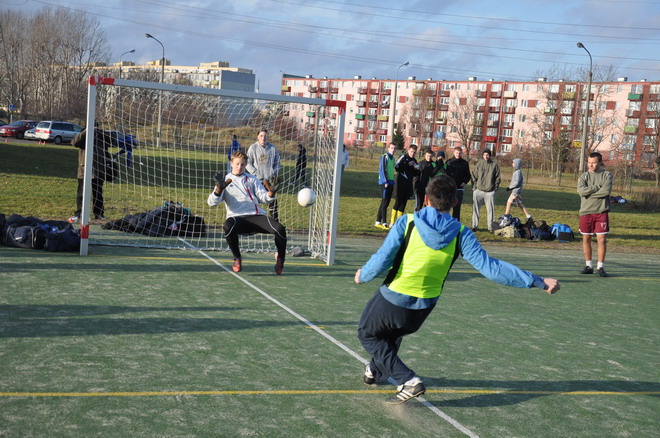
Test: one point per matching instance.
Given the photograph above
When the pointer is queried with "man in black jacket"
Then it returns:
(459, 170)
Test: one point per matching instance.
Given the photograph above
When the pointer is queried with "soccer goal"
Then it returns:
(166, 143)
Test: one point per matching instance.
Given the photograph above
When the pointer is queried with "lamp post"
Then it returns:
(160, 95)
(585, 128)
(120, 61)
(396, 81)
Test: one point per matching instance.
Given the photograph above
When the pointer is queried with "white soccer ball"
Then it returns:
(306, 197)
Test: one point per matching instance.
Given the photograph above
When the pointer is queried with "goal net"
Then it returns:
(168, 141)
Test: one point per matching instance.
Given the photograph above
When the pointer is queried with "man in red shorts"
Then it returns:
(594, 188)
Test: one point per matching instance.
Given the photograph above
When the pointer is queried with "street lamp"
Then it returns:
(160, 95)
(396, 81)
(585, 128)
(120, 61)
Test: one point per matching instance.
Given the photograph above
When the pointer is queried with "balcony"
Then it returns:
(323, 89)
(382, 118)
(553, 96)
(417, 91)
(286, 88)
(379, 143)
(334, 90)
(479, 108)
(634, 96)
(493, 123)
(444, 93)
(490, 138)
(310, 114)
(385, 104)
(359, 116)
(480, 93)
(373, 104)
(630, 129)
(654, 97)
(476, 137)
(567, 110)
(634, 114)
(362, 90)
(371, 117)
(550, 110)
(569, 95)
(504, 139)
(429, 106)
(478, 122)
(386, 91)
(507, 124)
(510, 94)
(361, 103)
(509, 109)
(313, 89)
(441, 121)
(443, 107)
(493, 109)
(381, 132)
(495, 94)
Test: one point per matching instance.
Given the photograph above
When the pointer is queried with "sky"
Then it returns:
(440, 39)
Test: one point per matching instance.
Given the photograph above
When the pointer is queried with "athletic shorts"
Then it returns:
(594, 224)
(514, 199)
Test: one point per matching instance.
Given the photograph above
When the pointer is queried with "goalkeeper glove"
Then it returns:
(273, 185)
(220, 182)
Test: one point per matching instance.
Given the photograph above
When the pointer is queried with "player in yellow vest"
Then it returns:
(419, 251)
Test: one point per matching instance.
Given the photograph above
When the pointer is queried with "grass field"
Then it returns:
(141, 343)
(148, 343)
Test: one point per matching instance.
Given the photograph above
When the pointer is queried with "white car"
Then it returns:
(30, 134)
(56, 131)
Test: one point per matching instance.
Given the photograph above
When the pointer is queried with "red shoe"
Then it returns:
(236, 266)
(279, 265)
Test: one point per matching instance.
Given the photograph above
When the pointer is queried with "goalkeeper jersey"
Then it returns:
(242, 196)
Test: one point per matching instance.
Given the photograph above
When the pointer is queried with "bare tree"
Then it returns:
(466, 118)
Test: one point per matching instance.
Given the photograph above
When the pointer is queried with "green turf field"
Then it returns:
(143, 343)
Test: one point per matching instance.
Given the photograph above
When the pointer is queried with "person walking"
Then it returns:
(263, 161)
(459, 170)
(485, 182)
(594, 187)
(515, 187)
(419, 251)
(386, 183)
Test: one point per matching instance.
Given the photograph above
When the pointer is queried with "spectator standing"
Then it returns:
(345, 160)
(301, 166)
(515, 187)
(407, 169)
(459, 170)
(427, 170)
(485, 182)
(101, 158)
(440, 165)
(386, 183)
(263, 161)
(594, 187)
(235, 146)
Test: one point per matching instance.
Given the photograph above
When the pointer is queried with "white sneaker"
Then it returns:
(377, 224)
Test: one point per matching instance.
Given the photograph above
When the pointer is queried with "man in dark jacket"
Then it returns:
(407, 169)
(101, 164)
(459, 170)
(427, 170)
(485, 182)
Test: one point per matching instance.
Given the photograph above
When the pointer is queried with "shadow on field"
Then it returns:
(514, 392)
(28, 321)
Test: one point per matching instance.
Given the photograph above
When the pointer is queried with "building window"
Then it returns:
(523, 103)
(522, 117)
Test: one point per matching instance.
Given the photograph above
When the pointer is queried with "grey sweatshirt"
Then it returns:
(516, 184)
(594, 189)
(486, 176)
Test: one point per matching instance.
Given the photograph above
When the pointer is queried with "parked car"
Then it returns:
(17, 129)
(57, 131)
(30, 134)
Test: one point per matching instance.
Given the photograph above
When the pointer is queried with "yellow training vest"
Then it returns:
(423, 270)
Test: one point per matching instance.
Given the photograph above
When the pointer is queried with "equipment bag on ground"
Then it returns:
(562, 232)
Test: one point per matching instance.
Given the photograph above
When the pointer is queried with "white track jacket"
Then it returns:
(242, 196)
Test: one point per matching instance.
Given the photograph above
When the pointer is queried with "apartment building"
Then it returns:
(504, 116)
(216, 74)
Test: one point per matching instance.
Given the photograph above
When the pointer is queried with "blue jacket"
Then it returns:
(437, 230)
(382, 170)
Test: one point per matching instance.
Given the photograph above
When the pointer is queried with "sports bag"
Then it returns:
(30, 236)
(562, 232)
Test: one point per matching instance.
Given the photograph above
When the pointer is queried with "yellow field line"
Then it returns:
(306, 392)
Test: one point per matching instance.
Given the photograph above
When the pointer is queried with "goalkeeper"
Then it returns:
(419, 252)
(242, 193)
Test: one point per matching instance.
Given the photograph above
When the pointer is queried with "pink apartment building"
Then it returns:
(504, 116)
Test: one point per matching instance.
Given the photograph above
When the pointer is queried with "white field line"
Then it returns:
(422, 400)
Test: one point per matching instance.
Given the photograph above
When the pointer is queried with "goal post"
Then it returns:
(166, 142)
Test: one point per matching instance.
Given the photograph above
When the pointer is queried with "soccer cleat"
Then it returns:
(587, 270)
(73, 220)
(377, 224)
(236, 266)
(406, 392)
(368, 377)
(279, 265)
(601, 272)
